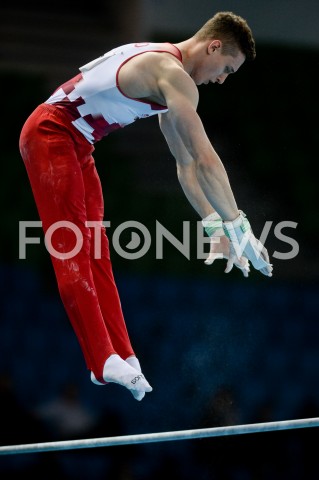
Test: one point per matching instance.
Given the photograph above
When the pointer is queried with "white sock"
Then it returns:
(133, 361)
(94, 380)
(116, 370)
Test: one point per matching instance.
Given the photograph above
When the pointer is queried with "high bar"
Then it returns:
(160, 436)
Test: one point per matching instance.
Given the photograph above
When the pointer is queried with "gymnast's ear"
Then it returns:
(213, 46)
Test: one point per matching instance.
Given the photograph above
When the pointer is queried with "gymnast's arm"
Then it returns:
(200, 171)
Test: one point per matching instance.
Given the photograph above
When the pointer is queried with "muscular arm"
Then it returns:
(200, 170)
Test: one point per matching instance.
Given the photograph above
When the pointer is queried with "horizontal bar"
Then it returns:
(160, 437)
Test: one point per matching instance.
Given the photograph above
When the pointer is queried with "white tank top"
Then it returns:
(93, 99)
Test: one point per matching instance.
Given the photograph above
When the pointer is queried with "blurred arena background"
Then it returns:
(218, 349)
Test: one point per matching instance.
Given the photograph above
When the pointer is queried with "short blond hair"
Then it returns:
(233, 31)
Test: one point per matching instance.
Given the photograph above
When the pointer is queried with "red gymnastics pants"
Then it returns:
(66, 187)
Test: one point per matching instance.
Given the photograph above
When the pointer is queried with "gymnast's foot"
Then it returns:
(117, 370)
(133, 361)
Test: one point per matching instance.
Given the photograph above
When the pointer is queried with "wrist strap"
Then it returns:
(213, 225)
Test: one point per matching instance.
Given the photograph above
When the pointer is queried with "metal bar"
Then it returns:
(160, 437)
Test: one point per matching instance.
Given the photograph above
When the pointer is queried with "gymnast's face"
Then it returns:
(214, 66)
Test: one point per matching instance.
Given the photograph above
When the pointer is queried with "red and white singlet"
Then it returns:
(93, 99)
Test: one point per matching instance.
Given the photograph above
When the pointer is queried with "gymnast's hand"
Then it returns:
(220, 245)
(243, 243)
